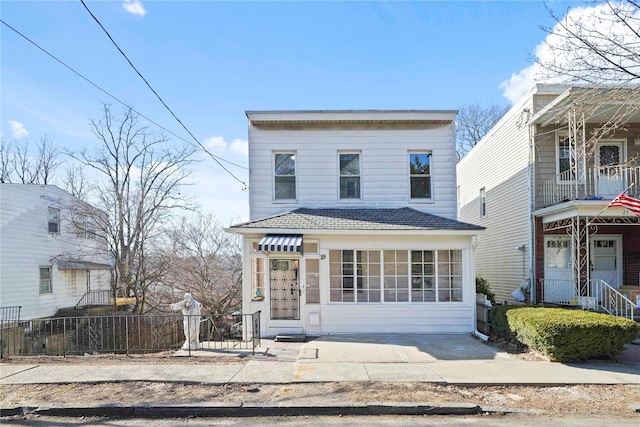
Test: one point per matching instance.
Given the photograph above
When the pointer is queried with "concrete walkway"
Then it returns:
(443, 359)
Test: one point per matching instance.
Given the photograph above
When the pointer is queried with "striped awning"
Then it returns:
(281, 243)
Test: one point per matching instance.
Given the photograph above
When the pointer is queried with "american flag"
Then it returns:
(627, 202)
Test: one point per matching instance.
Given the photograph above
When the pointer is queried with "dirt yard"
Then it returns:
(592, 399)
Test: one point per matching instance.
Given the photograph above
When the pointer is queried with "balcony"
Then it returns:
(595, 183)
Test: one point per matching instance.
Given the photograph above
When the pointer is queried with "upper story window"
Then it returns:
(46, 286)
(85, 226)
(564, 155)
(483, 202)
(284, 174)
(54, 220)
(420, 175)
(349, 175)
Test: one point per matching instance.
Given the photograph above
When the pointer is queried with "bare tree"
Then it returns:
(19, 164)
(595, 53)
(5, 161)
(140, 184)
(600, 47)
(75, 182)
(204, 260)
(48, 160)
(472, 124)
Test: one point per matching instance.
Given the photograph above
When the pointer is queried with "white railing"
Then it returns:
(610, 300)
(605, 182)
(598, 296)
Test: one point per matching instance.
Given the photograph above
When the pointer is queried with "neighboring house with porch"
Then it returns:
(353, 224)
(540, 181)
(50, 254)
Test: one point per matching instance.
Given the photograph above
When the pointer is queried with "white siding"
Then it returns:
(499, 164)
(25, 245)
(384, 171)
(383, 317)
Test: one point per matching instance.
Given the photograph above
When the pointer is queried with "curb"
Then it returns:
(246, 410)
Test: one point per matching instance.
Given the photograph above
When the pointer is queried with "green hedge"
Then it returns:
(498, 325)
(570, 335)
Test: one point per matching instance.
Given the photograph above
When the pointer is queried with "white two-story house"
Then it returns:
(353, 224)
(50, 253)
(541, 182)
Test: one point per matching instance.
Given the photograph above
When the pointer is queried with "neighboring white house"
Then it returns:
(353, 224)
(50, 256)
(540, 182)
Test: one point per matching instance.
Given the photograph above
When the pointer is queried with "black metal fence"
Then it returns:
(126, 334)
(102, 297)
(9, 316)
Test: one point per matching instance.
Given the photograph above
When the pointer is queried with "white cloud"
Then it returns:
(17, 129)
(134, 7)
(217, 143)
(587, 17)
(240, 146)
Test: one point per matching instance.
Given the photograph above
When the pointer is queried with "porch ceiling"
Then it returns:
(583, 208)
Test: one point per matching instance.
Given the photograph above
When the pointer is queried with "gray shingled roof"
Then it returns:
(358, 219)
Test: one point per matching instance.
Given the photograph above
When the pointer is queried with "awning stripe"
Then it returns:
(281, 243)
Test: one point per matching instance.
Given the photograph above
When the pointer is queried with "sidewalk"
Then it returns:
(442, 359)
(439, 359)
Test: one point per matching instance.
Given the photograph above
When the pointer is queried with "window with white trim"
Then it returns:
(483, 202)
(312, 276)
(420, 175)
(257, 278)
(46, 285)
(54, 220)
(349, 175)
(284, 176)
(417, 276)
(563, 163)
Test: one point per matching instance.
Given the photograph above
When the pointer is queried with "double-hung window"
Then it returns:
(284, 172)
(54, 220)
(482, 198)
(349, 175)
(564, 158)
(45, 280)
(420, 175)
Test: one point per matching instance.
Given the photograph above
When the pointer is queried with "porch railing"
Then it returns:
(598, 296)
(127, 334)
(102, 297)
(606, 182)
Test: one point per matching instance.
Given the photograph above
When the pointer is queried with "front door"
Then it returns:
(558, 270)
(606, 259)
(285, 289)
(610, 175)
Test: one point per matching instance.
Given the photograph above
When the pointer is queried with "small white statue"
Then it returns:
(191, 321)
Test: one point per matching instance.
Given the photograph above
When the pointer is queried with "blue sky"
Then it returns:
(210, 61)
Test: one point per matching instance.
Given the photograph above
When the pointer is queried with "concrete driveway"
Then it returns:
(397, 348)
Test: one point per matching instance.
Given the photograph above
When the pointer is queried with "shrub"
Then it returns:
(570, 335)
(498, 324)
(482, 287)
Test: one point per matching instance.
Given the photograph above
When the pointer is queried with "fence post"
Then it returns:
(126, 334)
(188, 337)
(64, 337)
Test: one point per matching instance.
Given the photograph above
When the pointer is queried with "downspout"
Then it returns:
(531, 182)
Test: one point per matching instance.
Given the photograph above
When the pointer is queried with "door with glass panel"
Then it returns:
(284, 289)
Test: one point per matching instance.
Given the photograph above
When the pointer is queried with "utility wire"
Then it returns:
(158, 96)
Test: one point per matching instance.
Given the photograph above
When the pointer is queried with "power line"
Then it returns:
(216, 158)
(156, 94)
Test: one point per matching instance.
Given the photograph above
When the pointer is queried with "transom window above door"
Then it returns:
(349, 175)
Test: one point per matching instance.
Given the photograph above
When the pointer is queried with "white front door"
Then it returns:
(284, 292)
(558, 270)
(606, 259)
(610, 176)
